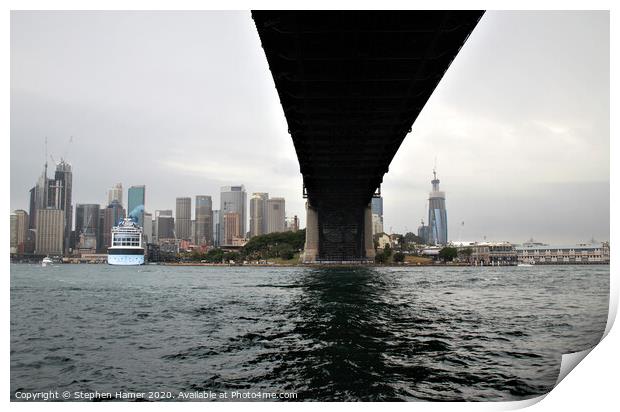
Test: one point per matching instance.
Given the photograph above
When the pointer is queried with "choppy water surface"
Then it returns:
(339, 334)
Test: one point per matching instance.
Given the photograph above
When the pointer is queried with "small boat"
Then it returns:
(524, 264)
(46, 261)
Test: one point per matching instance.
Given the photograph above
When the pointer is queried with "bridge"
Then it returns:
(351, 84)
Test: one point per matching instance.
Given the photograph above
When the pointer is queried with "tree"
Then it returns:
(465, 253)
(380, 257)
(387, 251)
(214, 256)
(448, 253)
(410, 237)
(234, 256)
(399, 257)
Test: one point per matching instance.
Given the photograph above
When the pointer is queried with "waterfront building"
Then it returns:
(86, 225)
(581, 253)
(258, 214)
(147, 230)
(383, 240)
(437, 215)
(136, 197)
(216, 229)
(29, 243)
(232, 227)
(183, 221)
(19, 230)
(204, 221)
(233, 199)
(491, 253)
(13, 232)
(115, 193)
(100, 227)
(276, 215)
(50, 232)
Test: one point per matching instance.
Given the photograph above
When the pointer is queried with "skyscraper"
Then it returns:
(437, 216)
(86, 225)
(258, 214)
(232, 227)
(136, 196)
(116, 193)
(276, 215)
(204, 220)
(50, 232)
(21, 230)
(63, 198)
(183, 221)
(217, 240)
(147, 230)
(423, 232)
(233, 199)
(112, 216)
(163, 226)
(376, 207)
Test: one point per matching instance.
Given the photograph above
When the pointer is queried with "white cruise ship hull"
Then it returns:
(126, 260)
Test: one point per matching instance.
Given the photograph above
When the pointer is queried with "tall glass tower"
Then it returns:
(437, 216)
(135, 204)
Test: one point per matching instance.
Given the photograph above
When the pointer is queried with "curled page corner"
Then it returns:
(569, 361)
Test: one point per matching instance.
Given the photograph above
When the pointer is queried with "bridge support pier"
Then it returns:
(311, 249)
(369, 244)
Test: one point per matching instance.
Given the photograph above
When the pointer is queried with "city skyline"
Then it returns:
(538, 145)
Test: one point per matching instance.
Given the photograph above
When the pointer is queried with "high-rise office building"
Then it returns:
(164, 229)
(50, 232)
(437, 216)
(13, 231)
(183, 221)
(86, 225)
(204, 221)
(276, 215)
(136, 195)
(147, 230)
(232, 227)
(116, 193)
(217, 240)
(376, 207)
(54, 194)
(233, 200)
(100, 226)
(113, 215)
(22, 221)
(32, 209)
(423, 232)
(258, 214)
(63, 198)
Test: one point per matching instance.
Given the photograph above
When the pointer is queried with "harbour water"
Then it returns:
(416, 334)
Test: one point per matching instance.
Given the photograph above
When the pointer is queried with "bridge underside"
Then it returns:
(351, 84)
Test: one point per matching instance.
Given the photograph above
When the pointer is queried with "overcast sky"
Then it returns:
(184, 103)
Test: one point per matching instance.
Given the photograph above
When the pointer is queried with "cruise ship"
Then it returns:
(126, 246)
